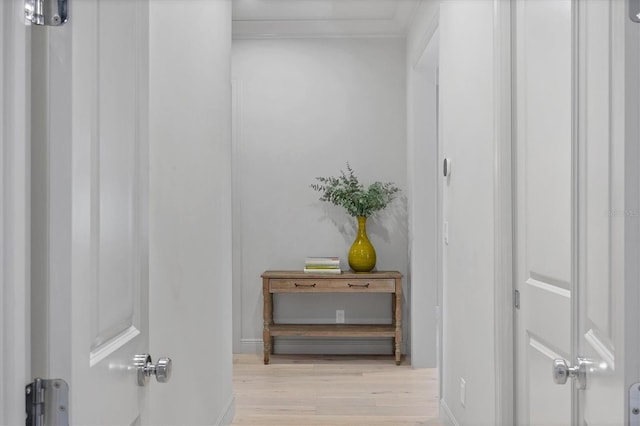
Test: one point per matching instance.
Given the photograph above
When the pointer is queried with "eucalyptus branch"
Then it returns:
(347, 191)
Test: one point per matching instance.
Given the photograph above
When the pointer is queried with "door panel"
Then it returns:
(110, 182)
(94, 315)
(544, 206)
(118, 180)
(601, 213)
(543, 405)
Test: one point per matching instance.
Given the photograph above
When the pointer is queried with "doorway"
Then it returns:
(425, 217)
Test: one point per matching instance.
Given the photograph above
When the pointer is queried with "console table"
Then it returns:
(300, 282)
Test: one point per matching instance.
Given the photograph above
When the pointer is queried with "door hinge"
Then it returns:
(516, 299)
(47, 402)
(45, 12)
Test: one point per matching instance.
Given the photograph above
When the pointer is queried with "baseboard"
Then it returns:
(251, 346)
(446, 415)
(229, 412)
(322, 346)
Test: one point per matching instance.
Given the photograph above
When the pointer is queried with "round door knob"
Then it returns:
(561, 371)
(145, 369)
(163, 370)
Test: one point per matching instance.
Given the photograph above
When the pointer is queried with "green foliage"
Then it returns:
(346, 191)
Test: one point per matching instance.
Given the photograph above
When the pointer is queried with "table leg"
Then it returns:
(267, 320)
(398, 321)
(393, 319)
(267, 349)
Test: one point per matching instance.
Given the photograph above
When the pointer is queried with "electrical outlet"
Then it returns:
(340, 316)
(463, 392)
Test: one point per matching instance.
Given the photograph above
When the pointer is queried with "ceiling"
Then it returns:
(321, 18)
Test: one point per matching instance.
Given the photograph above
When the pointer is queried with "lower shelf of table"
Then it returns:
(344, 330)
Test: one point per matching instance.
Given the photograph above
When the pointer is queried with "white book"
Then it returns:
(322, 261)
(323, 271)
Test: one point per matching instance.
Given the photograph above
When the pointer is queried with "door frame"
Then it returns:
(632, 204)
(504, 209)
(427, 241)
(14, 210)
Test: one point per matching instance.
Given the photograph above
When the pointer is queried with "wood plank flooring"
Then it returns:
(333, 390)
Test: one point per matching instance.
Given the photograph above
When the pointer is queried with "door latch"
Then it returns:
(47, 402)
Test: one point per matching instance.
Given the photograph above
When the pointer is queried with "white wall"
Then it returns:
(468, 106)
(302, 108)
(422, 182)
(190, 210)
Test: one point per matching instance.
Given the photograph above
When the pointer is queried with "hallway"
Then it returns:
(326, 390)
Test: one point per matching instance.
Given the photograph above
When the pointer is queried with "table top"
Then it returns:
(349, 275)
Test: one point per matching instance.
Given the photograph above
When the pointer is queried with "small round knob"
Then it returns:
(145, 369)
(163, 370)
(561, 371)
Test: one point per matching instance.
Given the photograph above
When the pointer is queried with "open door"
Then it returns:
(574, 214)
(544, 192)
(89, 180)
(600, 368)
(90, 209)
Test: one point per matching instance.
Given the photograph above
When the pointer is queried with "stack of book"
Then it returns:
(322, 265)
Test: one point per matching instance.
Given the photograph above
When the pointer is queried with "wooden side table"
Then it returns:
(300, 282)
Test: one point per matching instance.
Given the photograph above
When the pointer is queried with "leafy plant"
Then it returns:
(346, 191)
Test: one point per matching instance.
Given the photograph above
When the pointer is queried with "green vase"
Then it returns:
(362, 255)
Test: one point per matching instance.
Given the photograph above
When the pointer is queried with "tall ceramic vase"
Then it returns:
(362, 255)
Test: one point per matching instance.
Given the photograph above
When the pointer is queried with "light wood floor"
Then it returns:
(333, 390)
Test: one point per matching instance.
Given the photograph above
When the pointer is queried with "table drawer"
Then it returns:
(331, 285)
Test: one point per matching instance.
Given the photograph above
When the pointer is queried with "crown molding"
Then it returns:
(395, 26)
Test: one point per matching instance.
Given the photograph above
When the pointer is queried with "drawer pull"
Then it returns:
(304, 285)
(358, 285)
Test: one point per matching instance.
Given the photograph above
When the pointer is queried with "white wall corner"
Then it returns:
(423, 24)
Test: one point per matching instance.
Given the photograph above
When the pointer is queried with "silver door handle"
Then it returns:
(562, 372)
(146, 369)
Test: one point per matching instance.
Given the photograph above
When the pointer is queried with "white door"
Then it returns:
(600, 307)
(89, 203)
(543, 225)
(570, 188)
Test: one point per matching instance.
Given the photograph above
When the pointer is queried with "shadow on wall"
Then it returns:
(392, 221)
